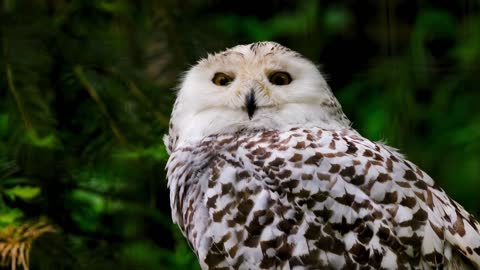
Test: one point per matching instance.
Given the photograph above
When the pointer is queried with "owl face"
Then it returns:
(256, 86)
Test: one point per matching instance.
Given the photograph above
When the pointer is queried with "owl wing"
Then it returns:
(460, 229)
(311, 197)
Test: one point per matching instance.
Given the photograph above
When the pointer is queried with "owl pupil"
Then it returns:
(279, 80)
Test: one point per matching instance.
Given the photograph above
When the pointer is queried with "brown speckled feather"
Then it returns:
(314, 198)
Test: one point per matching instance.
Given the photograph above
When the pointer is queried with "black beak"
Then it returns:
(250, 104)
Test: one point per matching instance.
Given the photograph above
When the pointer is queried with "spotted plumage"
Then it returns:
(306, 193)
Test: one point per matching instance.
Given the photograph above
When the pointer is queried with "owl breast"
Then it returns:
(308, 199)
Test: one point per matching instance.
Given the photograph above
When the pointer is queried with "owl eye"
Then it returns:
(280, 78)
(221, 79)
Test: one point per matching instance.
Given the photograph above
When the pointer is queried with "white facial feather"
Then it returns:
(203, 108)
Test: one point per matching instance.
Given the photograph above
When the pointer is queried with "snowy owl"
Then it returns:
(266, 172)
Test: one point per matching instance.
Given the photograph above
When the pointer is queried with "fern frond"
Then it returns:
(16, 242)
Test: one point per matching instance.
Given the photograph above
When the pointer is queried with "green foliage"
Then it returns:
(22, 192)
(9, 216)
(286, 23)
(85, 97)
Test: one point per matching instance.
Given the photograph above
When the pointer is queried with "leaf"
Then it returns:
(49, 141)
(23, 192)
(95, 201)
(9, 216)
(88, 209)
(112, 7)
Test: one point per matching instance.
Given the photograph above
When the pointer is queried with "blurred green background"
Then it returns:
(86, 89)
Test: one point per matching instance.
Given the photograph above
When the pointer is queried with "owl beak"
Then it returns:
(250, 104)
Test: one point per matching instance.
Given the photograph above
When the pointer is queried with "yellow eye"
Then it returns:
(280, 78)
(221, 79)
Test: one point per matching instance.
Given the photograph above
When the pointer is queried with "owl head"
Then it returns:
(258, 86)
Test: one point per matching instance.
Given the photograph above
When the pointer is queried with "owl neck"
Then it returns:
(189, 129)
